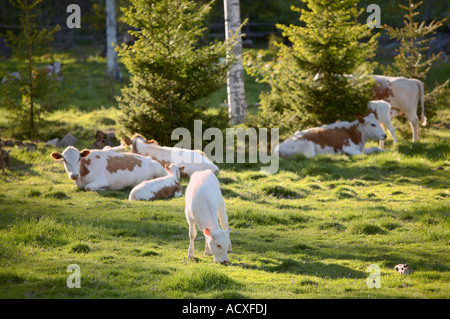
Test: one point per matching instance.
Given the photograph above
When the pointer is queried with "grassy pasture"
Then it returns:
(309, 231)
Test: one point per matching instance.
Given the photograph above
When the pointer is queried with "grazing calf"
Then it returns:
(342, 137)
(204, 204)
(159, 188)
(382, 110)
(97, 169)
(193, 160)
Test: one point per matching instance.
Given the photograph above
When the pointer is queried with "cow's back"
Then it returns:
(203, 193)
(120, 170)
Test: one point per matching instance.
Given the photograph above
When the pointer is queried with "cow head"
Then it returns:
(371, 128)
(72, 160)
(218, 241)
(133, 141)
(174, 169)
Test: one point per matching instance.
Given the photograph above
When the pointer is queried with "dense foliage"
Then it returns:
(330, 44)
(28, 94)
(412, 60)
(170, 71)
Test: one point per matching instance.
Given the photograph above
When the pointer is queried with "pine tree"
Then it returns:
(25, 94)
(171, 73)
(329, 42)
(412, 60)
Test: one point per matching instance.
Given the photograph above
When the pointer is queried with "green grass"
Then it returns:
(309, 231)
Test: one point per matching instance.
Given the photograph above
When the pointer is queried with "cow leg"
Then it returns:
(95, 186)
(192, 235)
(372, 150)
(414, 122)
(381, 142)
(350, 151)
(392, 131)
(223, 218)
(207, 247)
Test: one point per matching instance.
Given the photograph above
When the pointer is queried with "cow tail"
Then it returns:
(423, 118)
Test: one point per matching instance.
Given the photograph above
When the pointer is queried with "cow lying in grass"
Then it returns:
(192, 160)
(98, 170)
(159, 188)
(342, 137)
(51, 69)
(204, 204)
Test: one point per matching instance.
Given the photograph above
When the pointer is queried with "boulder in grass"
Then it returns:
(105, 138)
(52, 142)
(68, 140)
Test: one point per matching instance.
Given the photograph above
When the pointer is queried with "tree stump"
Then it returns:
(105, 138)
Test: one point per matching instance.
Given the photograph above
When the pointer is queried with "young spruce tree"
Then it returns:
(26, 96)
(412, 60)
(329, 42)
(172, 74)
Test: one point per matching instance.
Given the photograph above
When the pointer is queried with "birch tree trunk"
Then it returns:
(112, 62)
(237, 106)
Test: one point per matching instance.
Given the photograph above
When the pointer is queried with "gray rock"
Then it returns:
(52, 142)
(68, 140)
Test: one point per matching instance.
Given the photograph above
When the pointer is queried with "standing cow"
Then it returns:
(97, 170)
(403, 95)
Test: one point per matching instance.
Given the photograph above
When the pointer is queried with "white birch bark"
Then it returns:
(237, 106)
(112, 62)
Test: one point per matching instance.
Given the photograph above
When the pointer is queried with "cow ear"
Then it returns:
(85, 153)
(181, 168)
(127, 141)
(360, 119)
(207, 232)
(56, 156)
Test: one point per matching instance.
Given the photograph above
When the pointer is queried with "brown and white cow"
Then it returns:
(159, 188)
(403, 95)
(192, 160)
(342, 137)
(97, 170)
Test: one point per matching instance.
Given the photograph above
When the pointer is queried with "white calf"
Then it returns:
(204, 204)
(382, 111)
(342, 137)
(159, 188)
(97, 169)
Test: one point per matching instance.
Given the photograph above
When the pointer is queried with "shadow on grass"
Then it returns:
(432, 151)
(298, 267)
